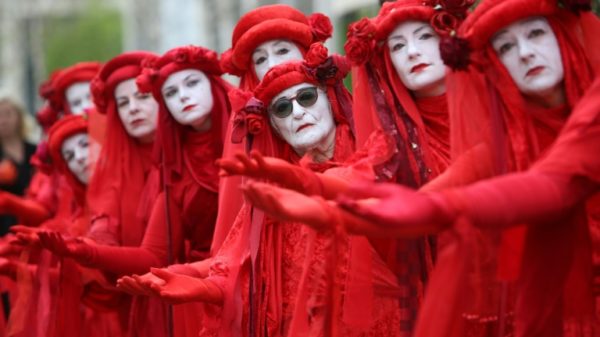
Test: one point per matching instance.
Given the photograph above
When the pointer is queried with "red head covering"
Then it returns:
(62, 130)
(270, 23)
(319, 69)
(420, 127)
(169, 142)
(117, 187)
(80, 72)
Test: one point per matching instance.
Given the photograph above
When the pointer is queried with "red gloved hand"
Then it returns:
(139, 285)
(28, 211)
(56, 243)
(396, 210)
(25, 236)
(181, 288)
(288, 205)
(268, 168)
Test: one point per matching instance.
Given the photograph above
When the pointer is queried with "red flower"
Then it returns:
(146, 79)
(254, 124)
(444, 23)
(316, 55)
(227, 64)
(181, 56)
(360, 42)
(455, 52)
(320, 26)
(362, 29)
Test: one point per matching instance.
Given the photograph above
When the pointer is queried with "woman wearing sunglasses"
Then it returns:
(262, 38)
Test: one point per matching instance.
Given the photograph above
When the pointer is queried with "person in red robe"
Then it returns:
(533, 117)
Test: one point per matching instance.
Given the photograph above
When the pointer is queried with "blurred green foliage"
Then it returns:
(93, 35)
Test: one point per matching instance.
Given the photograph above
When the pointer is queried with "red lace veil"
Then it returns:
(123, 186)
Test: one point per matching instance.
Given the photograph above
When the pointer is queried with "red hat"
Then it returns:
(80, 72)
(123, 67)
(269, 23)
(364, 35)
(317, 68)
(60, 131)
(156, 71)
(491, 16)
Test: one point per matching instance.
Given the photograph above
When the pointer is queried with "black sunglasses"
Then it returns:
(283, 107)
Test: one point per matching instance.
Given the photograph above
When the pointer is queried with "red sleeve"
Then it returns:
(137, 260)
(28, 211)
(529, 197)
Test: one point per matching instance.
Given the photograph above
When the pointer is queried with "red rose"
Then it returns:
(359, 51)
(254, 123)
(145, 80)
(320, 26)
(444, 23)
(316, 55)
(361, 29)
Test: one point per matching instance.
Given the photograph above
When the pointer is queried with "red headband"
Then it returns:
(156, 71)
(269, 23)
(80, 72)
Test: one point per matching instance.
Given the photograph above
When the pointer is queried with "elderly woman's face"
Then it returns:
(530, 52)
(188, 96)
(302, 116)
(415, 53)
(272, 53)
(79, 97)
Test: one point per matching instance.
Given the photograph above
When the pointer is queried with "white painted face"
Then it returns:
(79, 97)
(75, 152)
(272, 53)
(188, 96)
(307, 127)
(415, 53)
(138, 111)
(530, 52)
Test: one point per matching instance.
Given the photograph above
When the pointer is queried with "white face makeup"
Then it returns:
(530, 52)
(79, 97)
(75, 152)
(415, 53)
(138, 111)
(188, 96)
(272, 53)
(307, 128)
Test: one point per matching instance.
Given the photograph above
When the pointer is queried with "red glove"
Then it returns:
(139, 285)
(181, 288)
(28, 211)
(56, 243)
(25, 236)
(282, 173)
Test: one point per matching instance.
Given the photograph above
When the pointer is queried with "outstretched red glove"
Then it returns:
(28, 211)
(139, 285)
(25, 236)
(179, 288)
(56, 243)
(283, 173)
